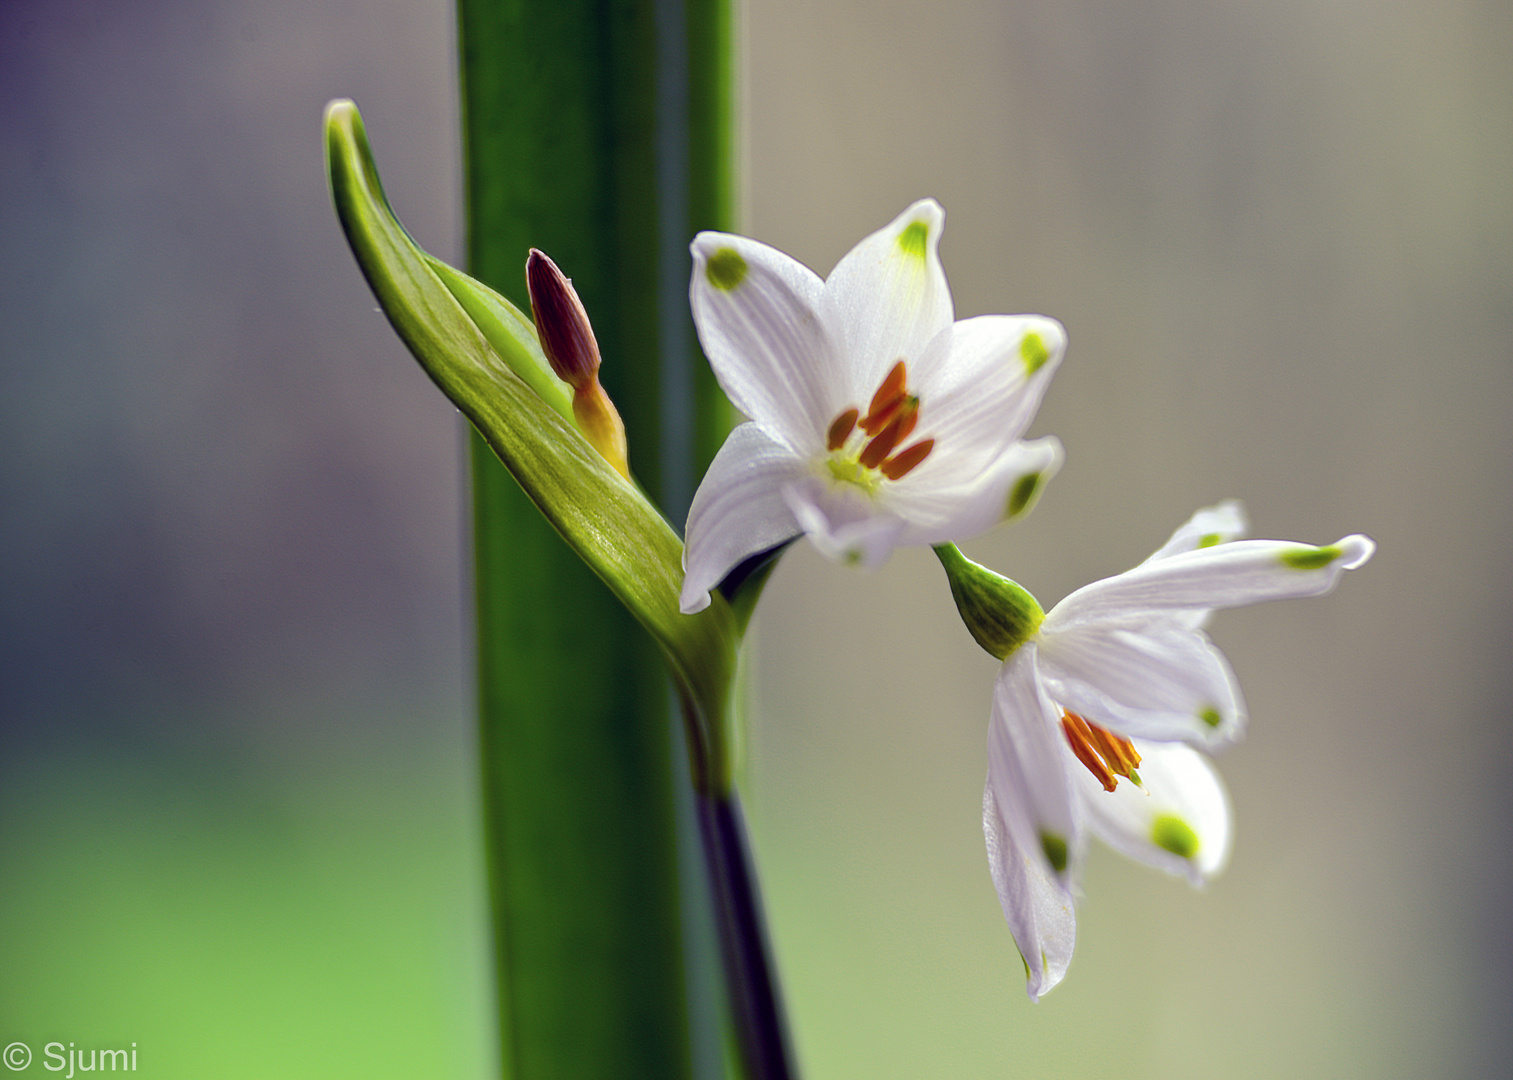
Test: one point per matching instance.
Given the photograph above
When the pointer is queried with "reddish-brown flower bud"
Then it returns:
(566, 335)
(568, 341)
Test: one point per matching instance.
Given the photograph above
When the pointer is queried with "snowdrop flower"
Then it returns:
(875, 419)
(1097, 710)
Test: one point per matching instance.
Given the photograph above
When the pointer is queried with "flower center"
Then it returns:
(1105, 754)
(862, 447)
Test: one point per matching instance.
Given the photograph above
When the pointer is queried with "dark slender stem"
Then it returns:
(750, 974)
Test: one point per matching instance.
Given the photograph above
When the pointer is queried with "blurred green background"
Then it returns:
(238, 823)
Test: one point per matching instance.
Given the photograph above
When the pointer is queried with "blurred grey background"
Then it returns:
(237, 816)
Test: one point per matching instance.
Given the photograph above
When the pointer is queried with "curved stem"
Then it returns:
(750, 973)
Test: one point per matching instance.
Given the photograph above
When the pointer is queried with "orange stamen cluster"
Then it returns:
(1105, 754)
(890, 419)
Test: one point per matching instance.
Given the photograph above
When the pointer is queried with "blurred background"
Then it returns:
(238, 817)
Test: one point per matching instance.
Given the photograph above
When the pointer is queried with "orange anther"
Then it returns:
(875, 421)
(840, 429)
(908, 416)
(1119, 753)
(887, 400)
(882, 444)
(900, 463)
(876, 451)
(1076, 731)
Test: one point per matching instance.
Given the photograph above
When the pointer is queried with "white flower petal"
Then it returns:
(1126, 654)
(1177, 821)
(1229, 575)
(1209, 527)
(843, 522)
(757, 313)
(738, 511)
(796, 355)
(1005, 488)
(981, 380)
(1156, 678)
(1038, 909)
(888, 297)
(1027, 770)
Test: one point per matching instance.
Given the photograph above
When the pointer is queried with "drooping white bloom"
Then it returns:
(1118, 680)
(875, 419)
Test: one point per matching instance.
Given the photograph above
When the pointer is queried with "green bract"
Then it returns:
(475, 346)
(509, 333)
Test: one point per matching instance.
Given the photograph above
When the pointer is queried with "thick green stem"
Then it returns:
(570, 148)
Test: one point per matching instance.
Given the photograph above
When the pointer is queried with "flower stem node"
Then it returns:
(567, 339)
(999, 614)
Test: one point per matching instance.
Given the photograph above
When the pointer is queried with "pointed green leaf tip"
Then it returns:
(1055, 850)
(1311, 558)
(1035, 354)
(726, 269)
(1175, 835)
(913, 239)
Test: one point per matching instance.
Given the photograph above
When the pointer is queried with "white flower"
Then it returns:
(1116, 681)
(875, 419)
